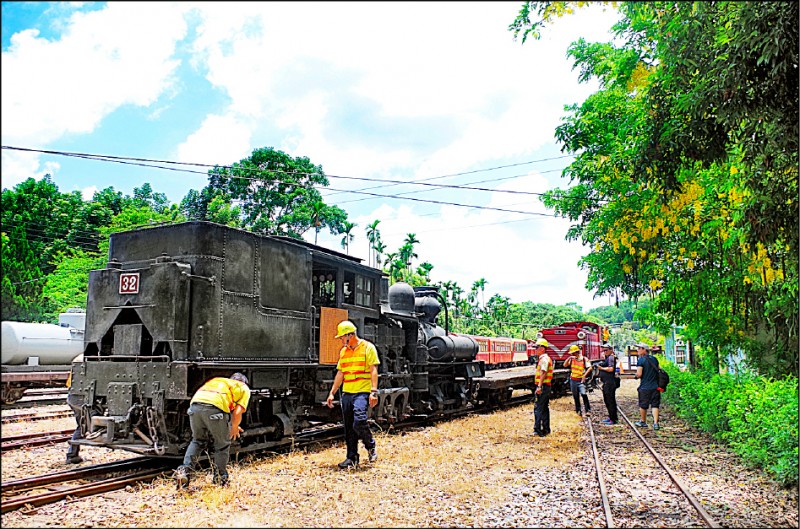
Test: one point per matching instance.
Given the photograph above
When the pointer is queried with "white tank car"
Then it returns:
(43, 343)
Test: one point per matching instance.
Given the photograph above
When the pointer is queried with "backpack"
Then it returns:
(663, 379)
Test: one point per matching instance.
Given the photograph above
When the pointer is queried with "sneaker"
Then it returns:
(347, 463)
(222, 481)
(656, 426)
(640, 424)
(181, 477)
(607, 422)
(74, 460)
(373, 454)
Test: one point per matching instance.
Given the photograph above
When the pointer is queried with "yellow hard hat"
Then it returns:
(574, 348)
(542, 342)
(346, 327)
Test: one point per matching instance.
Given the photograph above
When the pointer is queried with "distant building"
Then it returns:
(678, 350)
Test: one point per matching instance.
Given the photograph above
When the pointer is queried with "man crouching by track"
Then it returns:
(215, 413)
(358, 376)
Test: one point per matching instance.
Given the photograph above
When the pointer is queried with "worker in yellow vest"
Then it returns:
(357, 375)
(580, 367)
(215, 413)
(543, 379)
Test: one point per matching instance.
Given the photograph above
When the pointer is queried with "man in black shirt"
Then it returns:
(610, 380)
(649, 396)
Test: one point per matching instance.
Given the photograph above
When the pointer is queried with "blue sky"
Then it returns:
(396, 90)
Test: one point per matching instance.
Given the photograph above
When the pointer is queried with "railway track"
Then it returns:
(627, 465)
(26, 440)
(35, 416)
(87, 481)
(49, 488)
(33, 402)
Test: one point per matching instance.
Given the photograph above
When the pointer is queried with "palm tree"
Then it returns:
(373, 235)
(347, 228)
(379, 248)
(407, 250)
(317, 209)
(481, 284)
(424, 270)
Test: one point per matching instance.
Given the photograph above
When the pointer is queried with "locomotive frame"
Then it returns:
(180, 304)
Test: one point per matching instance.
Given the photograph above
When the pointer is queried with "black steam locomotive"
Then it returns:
(180, 304)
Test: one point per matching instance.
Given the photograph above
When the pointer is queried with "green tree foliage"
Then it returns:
(52, 239)
(685, 177)
(67, 285)
(21, 277)
(274, 194)
(40, 224)
(348, 235)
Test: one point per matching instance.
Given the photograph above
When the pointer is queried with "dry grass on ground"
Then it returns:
(432, 476)
(444, 475)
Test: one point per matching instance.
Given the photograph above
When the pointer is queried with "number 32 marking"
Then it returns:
(129, 283)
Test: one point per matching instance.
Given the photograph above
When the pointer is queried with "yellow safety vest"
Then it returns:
(223, 393)
(356, 364)
(548, 375)
(578, 367)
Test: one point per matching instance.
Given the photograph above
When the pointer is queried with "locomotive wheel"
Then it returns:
(10, 395)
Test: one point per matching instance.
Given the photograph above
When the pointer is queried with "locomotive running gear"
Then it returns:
(356, 364)
(224, 393)
(346, 327)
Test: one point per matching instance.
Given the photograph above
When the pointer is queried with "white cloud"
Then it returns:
(105, 59)
(88, 192)
(522, 257)
(401, 57)
(401, 90)
(218, 138)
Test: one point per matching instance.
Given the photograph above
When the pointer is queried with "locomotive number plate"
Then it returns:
(129, 283)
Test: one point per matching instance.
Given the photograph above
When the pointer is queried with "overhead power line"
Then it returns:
(149, 162)
(145, 162)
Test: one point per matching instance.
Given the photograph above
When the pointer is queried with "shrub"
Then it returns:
(757, 417)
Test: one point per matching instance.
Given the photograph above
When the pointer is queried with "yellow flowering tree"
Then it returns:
(684, 183)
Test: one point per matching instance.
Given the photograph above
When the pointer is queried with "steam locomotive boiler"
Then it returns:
(179, 304)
